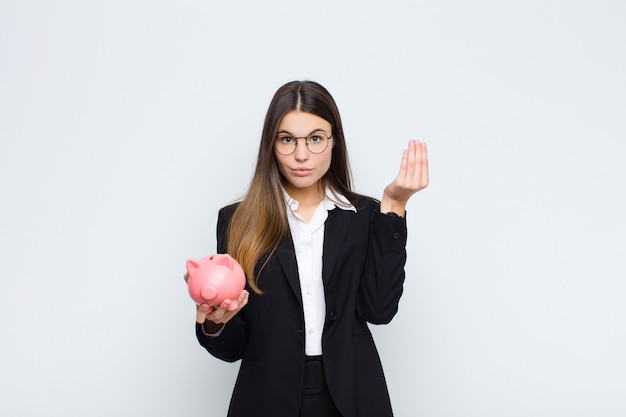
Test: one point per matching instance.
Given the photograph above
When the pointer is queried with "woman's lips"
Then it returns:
(301, 172)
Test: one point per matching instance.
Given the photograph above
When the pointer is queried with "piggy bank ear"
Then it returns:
(192, 265)
(224, 260)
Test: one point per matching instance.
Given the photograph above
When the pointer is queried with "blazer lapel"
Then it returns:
(336, 227)
(286, 255)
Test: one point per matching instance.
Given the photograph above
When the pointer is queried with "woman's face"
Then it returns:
(303, 169)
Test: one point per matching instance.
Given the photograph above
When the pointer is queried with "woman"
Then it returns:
(321, 261)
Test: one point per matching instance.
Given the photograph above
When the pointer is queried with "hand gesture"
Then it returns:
(413, 177)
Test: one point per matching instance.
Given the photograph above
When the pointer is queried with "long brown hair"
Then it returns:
(260, 220)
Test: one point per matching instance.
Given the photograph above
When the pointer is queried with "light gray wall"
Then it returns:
(125, 125)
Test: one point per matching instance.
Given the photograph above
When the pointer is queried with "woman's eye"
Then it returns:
(286, 139)
(315, 139)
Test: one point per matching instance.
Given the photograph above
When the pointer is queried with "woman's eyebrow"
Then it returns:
(319, 129)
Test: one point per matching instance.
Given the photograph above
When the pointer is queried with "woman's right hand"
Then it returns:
(220, 314)
(214, 318)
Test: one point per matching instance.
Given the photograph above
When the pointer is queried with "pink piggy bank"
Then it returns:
(214, 279)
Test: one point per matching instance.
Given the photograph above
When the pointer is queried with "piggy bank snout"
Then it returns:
(208, 292)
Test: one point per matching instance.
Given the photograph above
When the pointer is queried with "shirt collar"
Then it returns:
(331, 200)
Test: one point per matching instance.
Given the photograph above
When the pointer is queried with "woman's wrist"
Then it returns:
(388, 205)
(211, 327)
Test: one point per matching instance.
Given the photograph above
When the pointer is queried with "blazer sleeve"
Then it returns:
(230, 343)
(383, 278)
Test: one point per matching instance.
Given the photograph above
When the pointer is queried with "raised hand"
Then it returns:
(413, 177)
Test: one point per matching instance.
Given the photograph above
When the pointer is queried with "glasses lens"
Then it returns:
(285, 144)
(317, 142)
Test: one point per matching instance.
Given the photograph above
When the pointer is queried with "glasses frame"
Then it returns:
(306, 141)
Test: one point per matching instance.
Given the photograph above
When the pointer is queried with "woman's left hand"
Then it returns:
(413, 177)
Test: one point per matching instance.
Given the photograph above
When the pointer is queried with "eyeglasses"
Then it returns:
(316, 142)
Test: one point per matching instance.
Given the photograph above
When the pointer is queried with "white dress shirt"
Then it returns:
(308, 241)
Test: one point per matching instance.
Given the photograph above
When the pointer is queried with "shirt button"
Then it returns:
(310, 331)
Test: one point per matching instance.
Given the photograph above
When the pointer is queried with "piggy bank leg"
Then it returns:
(233, 306)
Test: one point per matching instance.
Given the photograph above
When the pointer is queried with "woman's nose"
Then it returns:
(302, 152)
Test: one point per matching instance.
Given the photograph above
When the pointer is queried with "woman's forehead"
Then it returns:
(300, 122)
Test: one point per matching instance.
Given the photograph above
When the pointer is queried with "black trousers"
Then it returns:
(316, 400)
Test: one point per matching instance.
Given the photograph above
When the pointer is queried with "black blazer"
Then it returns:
(363, 273)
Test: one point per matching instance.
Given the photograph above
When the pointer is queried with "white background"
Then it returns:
(126, 125)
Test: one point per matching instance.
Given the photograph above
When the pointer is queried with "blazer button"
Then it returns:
(396, 235)
(332, 316)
